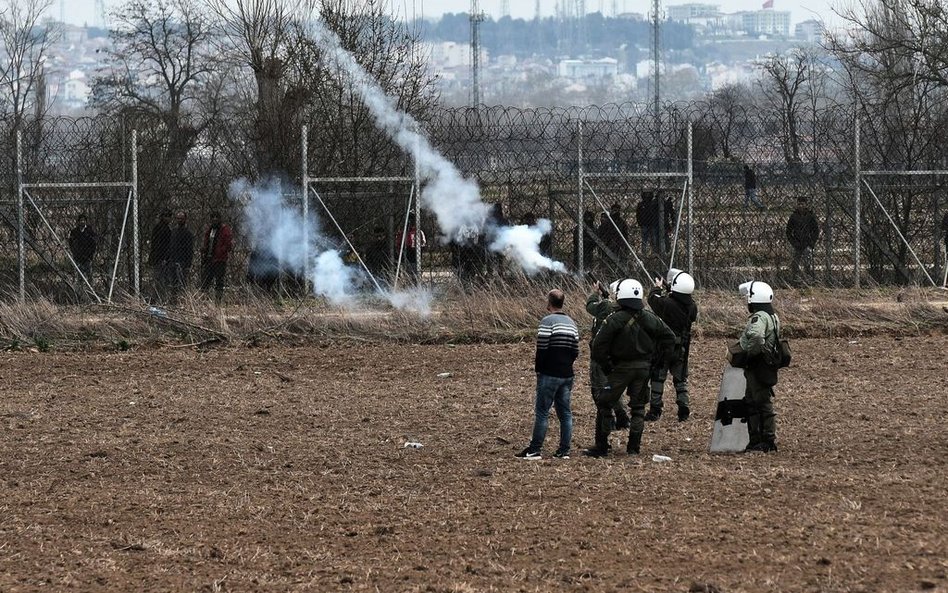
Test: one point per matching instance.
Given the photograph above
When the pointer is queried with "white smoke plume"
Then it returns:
(454, 200)
(277, 228)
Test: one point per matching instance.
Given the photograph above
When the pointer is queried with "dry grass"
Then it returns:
(498, 313)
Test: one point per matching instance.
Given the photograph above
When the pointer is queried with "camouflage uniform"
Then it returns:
(759, 340)
(600, 308)
(625, 348)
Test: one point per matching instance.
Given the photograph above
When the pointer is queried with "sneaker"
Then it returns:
(684, 412)
(528, 453)
(653, 414)
(561, 455)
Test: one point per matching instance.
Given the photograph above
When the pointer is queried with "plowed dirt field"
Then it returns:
(284, 469)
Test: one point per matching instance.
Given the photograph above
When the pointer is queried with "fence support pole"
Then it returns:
(304, 205)
(136, 258)
(691, 194)
(580, 223)
(20, 223)
(857, 205)
(418, 232)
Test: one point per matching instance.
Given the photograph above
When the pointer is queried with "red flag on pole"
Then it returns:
(768, 4)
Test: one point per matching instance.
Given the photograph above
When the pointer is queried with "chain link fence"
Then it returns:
(594, 165)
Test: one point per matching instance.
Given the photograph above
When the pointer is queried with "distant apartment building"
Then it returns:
(588, 70)
(449, 55)
(766, 22)
(810, 31)
(684, 12)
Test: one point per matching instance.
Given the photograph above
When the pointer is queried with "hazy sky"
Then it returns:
(82, 11)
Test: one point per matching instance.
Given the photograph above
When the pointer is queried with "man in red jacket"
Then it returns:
(218, 242)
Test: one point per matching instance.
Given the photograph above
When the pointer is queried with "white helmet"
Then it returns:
(757, 292)
(629, 293)
(672, 272)
(681, 282)
(613, 286)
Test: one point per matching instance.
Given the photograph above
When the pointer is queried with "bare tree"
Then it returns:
(727, 113)
(781, 85)
(24, 43)
(264, 37)
(162, 65)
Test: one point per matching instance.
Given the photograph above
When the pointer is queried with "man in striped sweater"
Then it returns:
(557, 348)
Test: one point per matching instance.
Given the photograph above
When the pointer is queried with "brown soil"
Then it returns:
(284, 469)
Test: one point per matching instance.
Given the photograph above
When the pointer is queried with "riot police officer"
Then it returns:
(759, 342)
(625, 347)
(677, 309)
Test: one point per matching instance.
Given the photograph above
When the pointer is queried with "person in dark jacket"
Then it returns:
(647, 217)
(803, 231)
(82, 246)
(589, 244)
(158, 252)
(557, 349)
(215, 250)
(630, 339)
(601, 304)
(180, 253)
(750, 188)
(672, 301)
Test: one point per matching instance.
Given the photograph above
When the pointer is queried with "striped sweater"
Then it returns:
(557, 345)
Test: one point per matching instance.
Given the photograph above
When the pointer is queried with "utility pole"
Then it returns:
(656, 67)
(476, 18)
(504, 8)
(536, 12)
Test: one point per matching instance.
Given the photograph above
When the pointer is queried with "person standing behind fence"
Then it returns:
(82, 246)
(803, 231)
(589, 244)
(646, 216)
(413, 239)
(158, 253)
(180, 253)
(557, 349)
(218, 242)
(750, 188)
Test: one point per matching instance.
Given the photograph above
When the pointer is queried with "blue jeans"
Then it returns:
(553, 391)
(750, 197)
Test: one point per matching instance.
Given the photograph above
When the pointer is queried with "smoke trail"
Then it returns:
(455, 201)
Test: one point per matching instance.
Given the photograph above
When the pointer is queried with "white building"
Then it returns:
(766, 22)
(810, 31)
(448, 54)
(685, 12)
(588, 70)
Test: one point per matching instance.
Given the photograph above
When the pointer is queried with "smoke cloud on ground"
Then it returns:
(274, 227)
(454, 200)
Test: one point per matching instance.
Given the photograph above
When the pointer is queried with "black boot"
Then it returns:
(684, 412)
(601, 448)
(635, 441)
(653, 414)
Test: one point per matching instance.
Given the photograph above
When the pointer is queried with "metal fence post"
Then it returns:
(581, 233)
(305, 205)
(857, 205)
(20, 223)
(691, 195)
(418, 232)
(136, 259)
